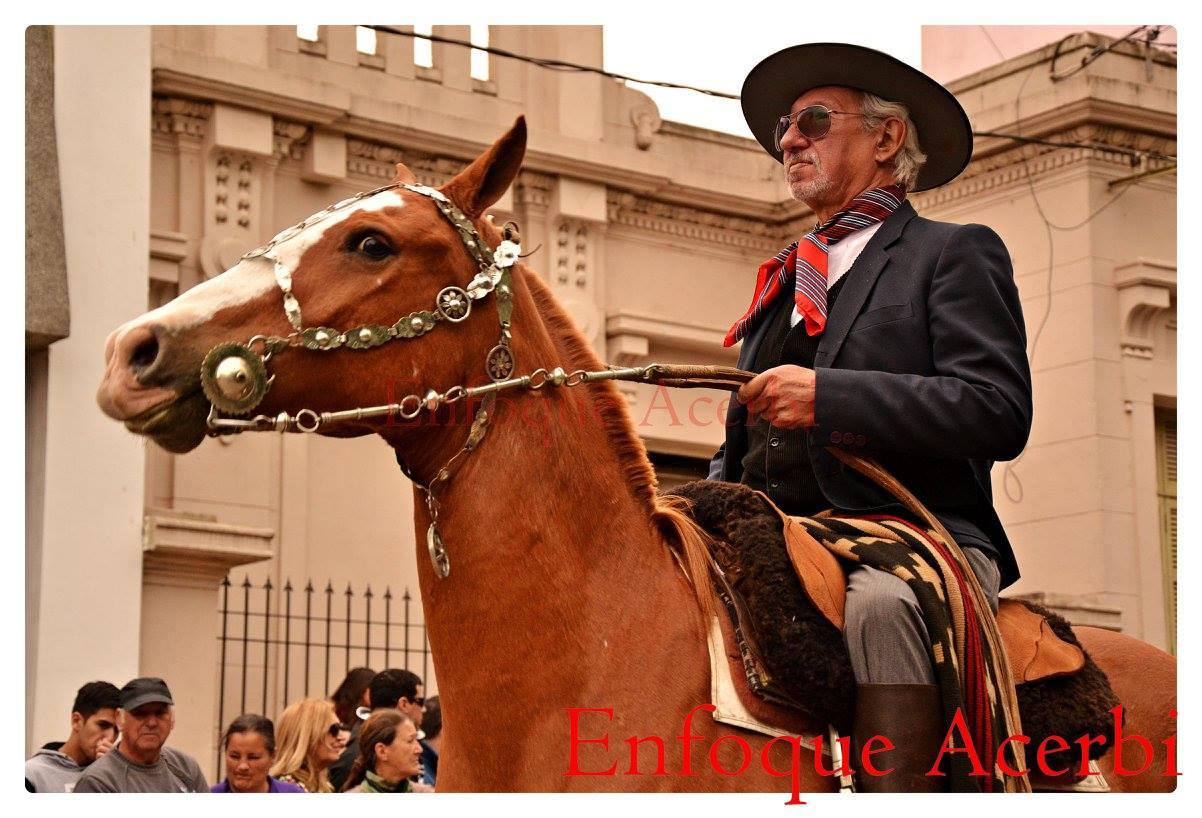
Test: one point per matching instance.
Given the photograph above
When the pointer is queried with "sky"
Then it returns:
(703, 58)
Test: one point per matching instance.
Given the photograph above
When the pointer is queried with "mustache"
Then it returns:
(792, 159)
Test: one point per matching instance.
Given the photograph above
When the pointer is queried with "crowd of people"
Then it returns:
(375, 733)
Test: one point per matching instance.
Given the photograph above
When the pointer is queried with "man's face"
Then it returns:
(823, 170)
(146, 728)
(97, 732)
(412, 709)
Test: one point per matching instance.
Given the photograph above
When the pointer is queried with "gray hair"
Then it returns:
(909, 159)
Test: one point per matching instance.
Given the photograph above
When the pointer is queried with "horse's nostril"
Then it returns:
(145, 353)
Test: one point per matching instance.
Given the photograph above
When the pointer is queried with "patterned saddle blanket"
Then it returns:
(783, 581)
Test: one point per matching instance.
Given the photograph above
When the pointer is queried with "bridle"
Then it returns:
(235, 380)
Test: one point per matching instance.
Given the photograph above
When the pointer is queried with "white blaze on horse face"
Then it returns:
(288, 254)
(252, 277)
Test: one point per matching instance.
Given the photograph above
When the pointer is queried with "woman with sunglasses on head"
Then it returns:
(309, 742)
(389, 753)
(249, 744)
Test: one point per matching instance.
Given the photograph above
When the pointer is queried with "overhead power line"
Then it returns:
(565, 65)
(545, 62)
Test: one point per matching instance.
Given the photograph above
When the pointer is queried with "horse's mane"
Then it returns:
(611, 406)
(668, 515)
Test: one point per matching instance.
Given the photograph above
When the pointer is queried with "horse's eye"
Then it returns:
(373, 246)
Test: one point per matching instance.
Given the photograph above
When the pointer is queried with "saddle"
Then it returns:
(785, 592)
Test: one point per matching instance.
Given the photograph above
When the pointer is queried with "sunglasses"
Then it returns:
(335, 729)
(813, 122)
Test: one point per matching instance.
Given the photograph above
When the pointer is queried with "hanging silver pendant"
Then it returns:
(438, 554)
(499, 363)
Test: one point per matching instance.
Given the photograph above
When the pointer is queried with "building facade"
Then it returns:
(200, 143)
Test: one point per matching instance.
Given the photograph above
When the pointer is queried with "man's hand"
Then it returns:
(103, 746)
(783, 396)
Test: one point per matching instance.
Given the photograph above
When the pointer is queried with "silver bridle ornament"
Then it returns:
(234, 376)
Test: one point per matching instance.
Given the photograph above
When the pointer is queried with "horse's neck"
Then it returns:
(541, 523)
(561, 591)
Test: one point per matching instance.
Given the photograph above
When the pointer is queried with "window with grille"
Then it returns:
(1166, 480)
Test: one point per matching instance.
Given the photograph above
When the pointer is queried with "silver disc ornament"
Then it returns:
(234, 378)
(454, 304)
(499, 362)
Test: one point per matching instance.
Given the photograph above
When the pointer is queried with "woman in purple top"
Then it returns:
(249, 745)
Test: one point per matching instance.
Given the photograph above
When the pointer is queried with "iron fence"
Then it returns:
(277, 647)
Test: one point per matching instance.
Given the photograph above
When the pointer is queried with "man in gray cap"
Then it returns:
(140, 762)
(885, 334)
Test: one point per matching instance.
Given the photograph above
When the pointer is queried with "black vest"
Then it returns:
(777, 460)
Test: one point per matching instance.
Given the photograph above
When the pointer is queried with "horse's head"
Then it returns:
(314, 319)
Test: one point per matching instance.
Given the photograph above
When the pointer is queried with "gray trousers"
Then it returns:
(883, 626)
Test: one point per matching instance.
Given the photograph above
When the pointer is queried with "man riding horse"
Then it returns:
(887, 334)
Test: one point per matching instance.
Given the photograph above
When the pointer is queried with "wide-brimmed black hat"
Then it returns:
(944, 133)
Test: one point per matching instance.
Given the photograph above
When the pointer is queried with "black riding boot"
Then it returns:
(911, 717)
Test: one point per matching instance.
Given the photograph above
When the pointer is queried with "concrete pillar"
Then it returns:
(185, 560)
(88, 588)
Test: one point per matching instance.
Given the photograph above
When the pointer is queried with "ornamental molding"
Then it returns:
(633, 332)
(289, 138)
(632, 210)
(195, 551)
(170, 115)
(533, 188)
(1026, 162)
(1147, 299)
(378, 161)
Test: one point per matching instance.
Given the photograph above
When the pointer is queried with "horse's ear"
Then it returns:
(404, 176)
(484, 181)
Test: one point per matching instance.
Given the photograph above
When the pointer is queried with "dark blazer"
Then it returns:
(923, 367)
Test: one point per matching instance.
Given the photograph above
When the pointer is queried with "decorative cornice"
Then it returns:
(1023, 162)
(631, 210)
(171, 115)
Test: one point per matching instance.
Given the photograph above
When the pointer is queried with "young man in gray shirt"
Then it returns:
(140, 763)
(58, 765)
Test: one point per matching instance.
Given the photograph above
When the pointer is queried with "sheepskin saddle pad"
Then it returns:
(787, 607)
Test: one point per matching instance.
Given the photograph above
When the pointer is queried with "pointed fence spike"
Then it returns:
(348, 590)
(368, 592)
(288, 585)
(330, 586)
(246, 582)
(309, 586)
(387, 592)
(268, 584)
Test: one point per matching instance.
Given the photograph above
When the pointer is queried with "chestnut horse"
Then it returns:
(566, 618)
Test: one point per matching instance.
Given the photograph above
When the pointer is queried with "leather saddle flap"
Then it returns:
(1033, 650)
(821, 576)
